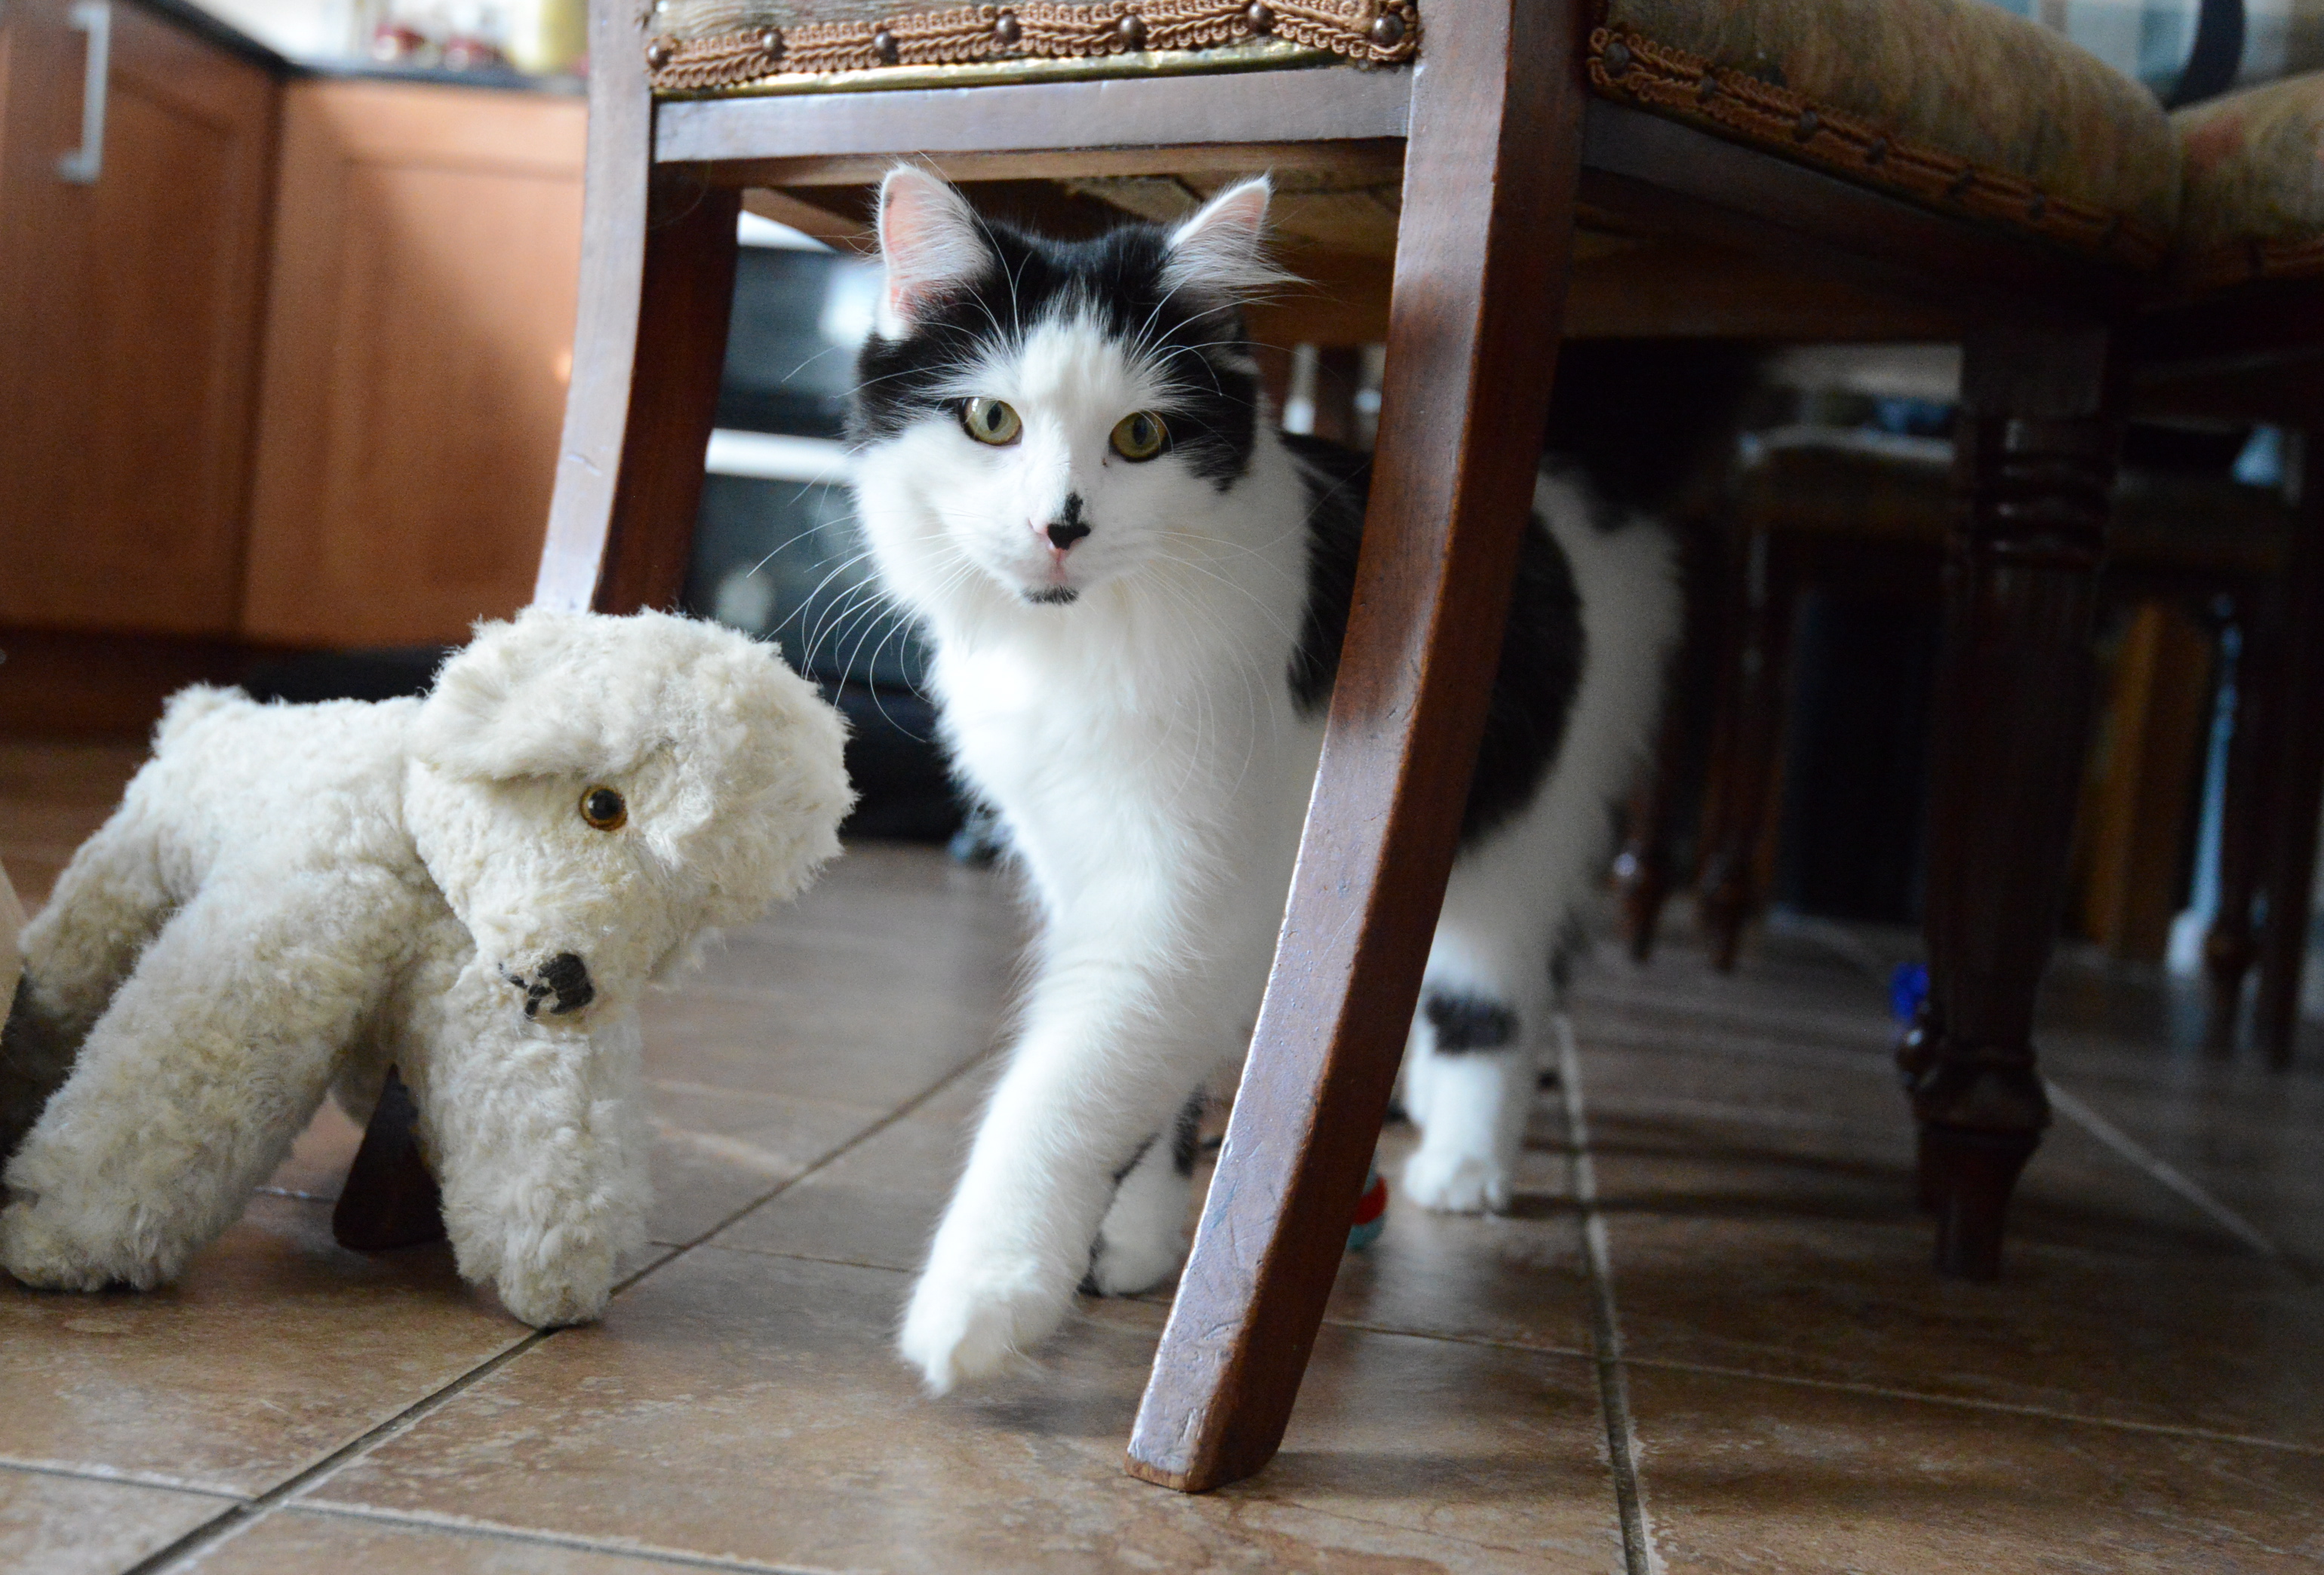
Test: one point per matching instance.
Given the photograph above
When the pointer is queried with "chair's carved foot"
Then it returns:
(1981, 1114)
(1966, 1179)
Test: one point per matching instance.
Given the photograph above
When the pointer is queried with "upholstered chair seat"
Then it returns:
(1955, 104)
(2254, 207)
(1958, 105)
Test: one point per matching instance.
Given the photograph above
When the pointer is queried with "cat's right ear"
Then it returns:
(930, 242)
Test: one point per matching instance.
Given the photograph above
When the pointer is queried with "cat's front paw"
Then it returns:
(43, 1248)
(1452, 1182)
(962, 1327)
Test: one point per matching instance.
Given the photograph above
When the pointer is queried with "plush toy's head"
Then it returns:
(592, 793)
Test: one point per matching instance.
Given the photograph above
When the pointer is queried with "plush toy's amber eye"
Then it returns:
(991, 422)
(603, 809)
(1139, 435)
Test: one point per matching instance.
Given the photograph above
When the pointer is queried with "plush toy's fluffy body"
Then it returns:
(474, 888)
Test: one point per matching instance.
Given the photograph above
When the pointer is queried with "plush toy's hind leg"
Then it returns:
(190, 1089)
(540, 1138)
(107, 907)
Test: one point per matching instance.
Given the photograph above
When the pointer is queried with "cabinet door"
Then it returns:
(417, 345)
(129, 313)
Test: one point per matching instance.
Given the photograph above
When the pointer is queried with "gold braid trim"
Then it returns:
(1373, 32)
(1687, 86)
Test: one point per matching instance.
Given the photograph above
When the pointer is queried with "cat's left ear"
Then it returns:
(1221, 251)
(929, 242)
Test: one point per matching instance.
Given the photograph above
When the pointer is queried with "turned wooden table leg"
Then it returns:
(2037, 447)
(2297, 735)
(1478, 295)
(658, 258)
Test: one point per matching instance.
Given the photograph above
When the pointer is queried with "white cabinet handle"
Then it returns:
(86, 163)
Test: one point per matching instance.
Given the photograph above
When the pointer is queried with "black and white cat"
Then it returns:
(1135, 588)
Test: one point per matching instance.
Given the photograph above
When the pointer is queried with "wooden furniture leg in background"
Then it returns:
(1490, 176)
(2037, 445)
(2298, 768)
(1748, 765)
(1642, 875)
(658, 258)
(2231, 945)
(1643, 870)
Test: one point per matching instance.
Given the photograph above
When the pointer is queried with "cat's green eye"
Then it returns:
(991, 422)
(1139, 435)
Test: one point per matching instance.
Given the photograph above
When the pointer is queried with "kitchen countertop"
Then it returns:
(205, 25)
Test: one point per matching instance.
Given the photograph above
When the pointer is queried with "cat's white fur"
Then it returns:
(1143, 747)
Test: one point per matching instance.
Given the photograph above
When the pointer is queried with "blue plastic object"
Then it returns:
(1908, 987)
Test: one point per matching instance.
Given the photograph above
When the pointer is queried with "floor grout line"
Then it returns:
(899, 1113)
(1968, 1402)
(1842, 1386)
(1638, 1554)
(247, 1514)
(465, 1525)
(119, 1477)
(242, 1516)
(2160, 1171)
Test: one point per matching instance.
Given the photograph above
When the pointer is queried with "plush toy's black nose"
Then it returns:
(562, 985)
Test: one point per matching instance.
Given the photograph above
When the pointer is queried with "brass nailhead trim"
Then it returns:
(1259, 16)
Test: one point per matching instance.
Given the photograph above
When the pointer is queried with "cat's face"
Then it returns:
(1050, 417)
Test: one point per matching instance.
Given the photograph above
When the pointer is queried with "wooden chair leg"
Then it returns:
(2230, 945)
(1730, 888)
(658, 258)
(2038, 444)
(2297, 739)
(1479, 296)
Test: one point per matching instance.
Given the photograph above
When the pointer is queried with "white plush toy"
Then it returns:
(474, 888)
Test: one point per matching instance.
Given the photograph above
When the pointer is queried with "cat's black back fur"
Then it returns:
(1541, 646)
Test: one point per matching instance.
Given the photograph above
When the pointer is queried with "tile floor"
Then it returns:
(1726, 1264)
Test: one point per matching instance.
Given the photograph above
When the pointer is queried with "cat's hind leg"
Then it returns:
(1472, 1066)
(1143, 1240)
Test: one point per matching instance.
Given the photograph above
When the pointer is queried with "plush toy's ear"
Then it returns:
(1221, 251)
(528, 699)
(930, 244)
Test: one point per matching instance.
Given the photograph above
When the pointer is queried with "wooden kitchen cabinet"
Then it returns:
(418, 340)
(129, 315)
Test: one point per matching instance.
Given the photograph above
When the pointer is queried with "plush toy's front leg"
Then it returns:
(190, 1089)
(107, 905)
(539, 1135)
